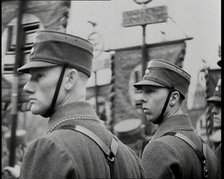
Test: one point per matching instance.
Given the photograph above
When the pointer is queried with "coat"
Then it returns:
(218, 154)
(169, 157)
(67, 154)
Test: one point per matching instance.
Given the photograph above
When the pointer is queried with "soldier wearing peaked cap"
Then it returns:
(216, 100)
(175, 150)
(77, 144)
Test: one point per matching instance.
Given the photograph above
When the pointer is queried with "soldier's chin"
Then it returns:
(36, 111)
(152, 119)
(149, 118)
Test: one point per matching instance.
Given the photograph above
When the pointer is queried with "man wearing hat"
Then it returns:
(77, 144)
(175, 150)
(216, 111)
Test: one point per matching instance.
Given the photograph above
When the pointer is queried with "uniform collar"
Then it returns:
(81, 108)
(174, 123)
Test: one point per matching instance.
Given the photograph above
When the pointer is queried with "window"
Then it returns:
(29, 30)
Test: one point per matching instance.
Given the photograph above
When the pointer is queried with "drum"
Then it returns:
(128, 131)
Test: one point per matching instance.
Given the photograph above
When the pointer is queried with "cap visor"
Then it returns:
(214, 99)
(147, 83)
(219, 63)
(35, 64)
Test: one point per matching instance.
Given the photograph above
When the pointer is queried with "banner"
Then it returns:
(128, 62)
(37, 15)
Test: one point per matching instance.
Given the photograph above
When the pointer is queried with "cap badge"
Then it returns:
(147, 71)
(32, 51)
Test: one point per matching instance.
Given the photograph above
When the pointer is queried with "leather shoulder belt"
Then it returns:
(109, 152)
(200, 153)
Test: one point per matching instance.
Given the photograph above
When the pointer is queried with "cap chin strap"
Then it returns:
(50, 110)
(160, 118)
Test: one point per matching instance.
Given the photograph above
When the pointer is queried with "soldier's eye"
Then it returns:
(36, 76)
(149, 90)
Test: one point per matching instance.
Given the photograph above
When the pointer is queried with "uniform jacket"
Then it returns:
(218, 154)
(169, 157)
(67, 154)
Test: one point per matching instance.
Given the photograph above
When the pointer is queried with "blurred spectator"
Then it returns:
(13, 172)
(217, 110)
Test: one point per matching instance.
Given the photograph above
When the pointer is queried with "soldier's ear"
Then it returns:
(70, 78)
(174, 97)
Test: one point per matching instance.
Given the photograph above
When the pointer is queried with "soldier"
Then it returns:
(175, 150)
(77, 145)
(216, 111)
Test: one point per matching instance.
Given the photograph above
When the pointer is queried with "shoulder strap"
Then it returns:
(110, 153)
(201, 154)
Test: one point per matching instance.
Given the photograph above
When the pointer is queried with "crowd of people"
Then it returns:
(78, 145)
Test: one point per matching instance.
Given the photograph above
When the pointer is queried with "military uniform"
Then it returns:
(170, 157)
(216, 100)
(64, 152)
(68, 154)
(176, 150)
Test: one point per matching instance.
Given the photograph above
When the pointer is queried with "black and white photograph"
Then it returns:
(120, 89)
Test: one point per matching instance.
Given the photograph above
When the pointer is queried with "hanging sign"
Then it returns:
(145, 16)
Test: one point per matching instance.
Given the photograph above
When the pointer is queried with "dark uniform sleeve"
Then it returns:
(139, 163)
(44, 159)
(160, 161)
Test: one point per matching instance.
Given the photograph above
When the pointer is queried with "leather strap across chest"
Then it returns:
(200, 153)
(109, 152)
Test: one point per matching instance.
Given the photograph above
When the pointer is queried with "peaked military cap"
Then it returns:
(53, 48)
(165, 74)
(216, 98)
(220, 63)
